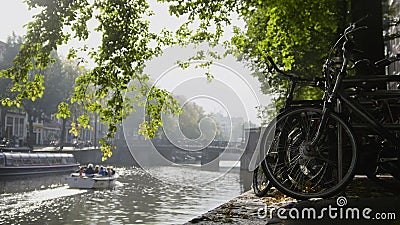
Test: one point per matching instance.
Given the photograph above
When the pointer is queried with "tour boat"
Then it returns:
(24, 163)
(95, 181)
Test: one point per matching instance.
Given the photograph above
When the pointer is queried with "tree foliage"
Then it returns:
(296, 34)
(127, 44)
(193, 123)
(58, 76)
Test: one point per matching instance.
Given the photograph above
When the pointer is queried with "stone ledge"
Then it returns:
(244, 209)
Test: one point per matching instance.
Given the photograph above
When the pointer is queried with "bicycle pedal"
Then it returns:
(388, 159)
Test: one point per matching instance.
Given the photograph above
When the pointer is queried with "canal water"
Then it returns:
(139, 197)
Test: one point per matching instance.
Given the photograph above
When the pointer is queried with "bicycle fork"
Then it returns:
(327, 109)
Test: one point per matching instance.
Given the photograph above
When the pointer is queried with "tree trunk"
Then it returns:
(63, 131)
(370, 41)
(343, 22)
(31, 137)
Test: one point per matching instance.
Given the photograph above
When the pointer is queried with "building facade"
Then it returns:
(393, 46)
(2, 49)
(15, 127)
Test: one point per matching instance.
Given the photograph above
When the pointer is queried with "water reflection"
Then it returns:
(32, 182)
(138, 199)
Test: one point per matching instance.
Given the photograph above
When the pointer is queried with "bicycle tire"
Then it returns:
(295, 171)
(261, 184)
(387, 175)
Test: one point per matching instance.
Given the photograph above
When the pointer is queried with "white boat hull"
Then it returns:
(76, 181)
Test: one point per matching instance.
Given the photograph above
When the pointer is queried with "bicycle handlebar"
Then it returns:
(293, 77)
(387, 61)
(275, 67)
(350, 29)
(353, 27)
(348, 46)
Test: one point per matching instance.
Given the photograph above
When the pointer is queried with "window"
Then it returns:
(9, 127)
(9, 162)
(27, 161)
(17, 162)
(16, 128)
(2, 161)
(21, 127)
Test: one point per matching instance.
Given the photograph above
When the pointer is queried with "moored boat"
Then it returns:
(77, 180)
(23, 163)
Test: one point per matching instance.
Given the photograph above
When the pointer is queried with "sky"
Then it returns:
(234, 92)
(13, 15)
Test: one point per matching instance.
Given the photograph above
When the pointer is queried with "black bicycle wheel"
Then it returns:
(261, 184)
(302, 171)
(387, 170)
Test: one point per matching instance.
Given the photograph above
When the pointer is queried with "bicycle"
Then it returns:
(261, 184)
(312, 152)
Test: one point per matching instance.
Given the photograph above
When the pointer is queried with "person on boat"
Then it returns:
(112, 170)
(89, 169)
(109, 171)
(81, 168)
(96, 169)
(102, 171)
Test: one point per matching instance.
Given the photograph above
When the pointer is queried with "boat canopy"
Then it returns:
(29, 159)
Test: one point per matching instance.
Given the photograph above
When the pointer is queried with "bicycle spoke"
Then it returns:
(300, 170)
(304, 126)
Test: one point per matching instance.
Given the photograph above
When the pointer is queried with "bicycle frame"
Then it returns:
(367, 117)
(295, 80)
(290, 103)
(337, 92)
(314, 153)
